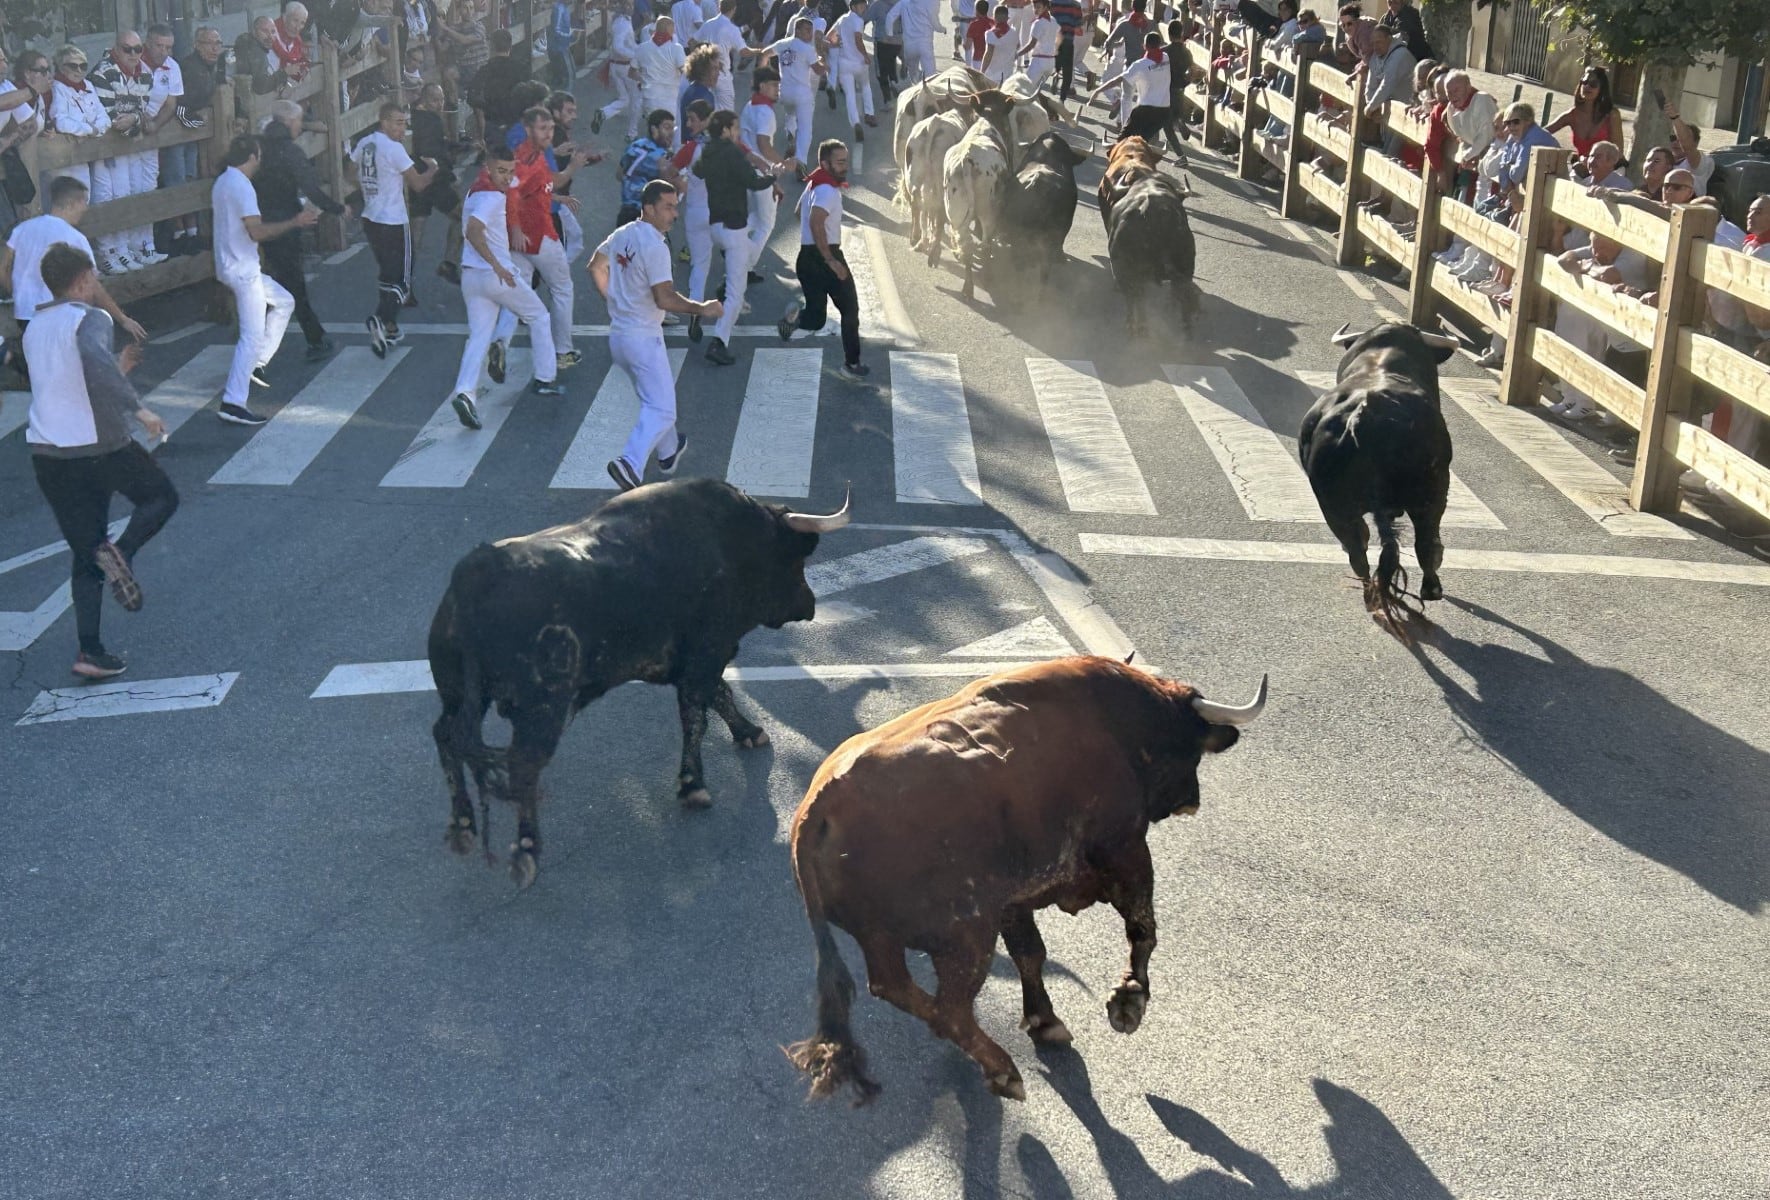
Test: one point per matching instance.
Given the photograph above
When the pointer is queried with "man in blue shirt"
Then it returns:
(644, 160)
(559, 45)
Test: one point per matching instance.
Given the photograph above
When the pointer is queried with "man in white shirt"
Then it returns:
(919, 20)
(799, 64)
(851, 62)
(823, 271)
(164, 92)
(383, 169)
(687, 17)
(659, 60)
(262, 304)
(1146, 91)
(1040, 46)
(623, 73)
(756, 125)
(1000, 44)
(722, 31)
(632, 270)
(491, 286)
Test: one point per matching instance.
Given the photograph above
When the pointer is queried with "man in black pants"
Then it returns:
(82, 451)
(285, 174)
(822, 270)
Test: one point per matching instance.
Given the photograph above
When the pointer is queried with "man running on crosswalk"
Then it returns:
(632, 270)
(491, 286)
(822, 270)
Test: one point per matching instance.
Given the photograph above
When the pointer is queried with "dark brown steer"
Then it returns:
(1129, 160)
(956, 822)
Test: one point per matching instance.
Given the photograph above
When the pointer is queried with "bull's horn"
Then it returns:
(1344, 338)
(1230, 714)
(812, 523)
(1439, 341)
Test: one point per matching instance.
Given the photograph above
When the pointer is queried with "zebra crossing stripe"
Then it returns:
(190, 390)
(1264, 471)
(604, 430)
(15, 411)
(931, 450)
(281, 450)
(771, 454)
(445, 453)
(126, 699)
(1094, 460)
(1463, 509)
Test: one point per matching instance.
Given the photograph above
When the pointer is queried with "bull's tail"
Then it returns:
(831, 1057)
(1387, 596)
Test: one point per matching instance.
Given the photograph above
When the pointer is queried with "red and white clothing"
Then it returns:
(261, 304)
(638, 260)
(999, 45)
(756, 125)
(290, 51)
(696, 224)
(489, 298)
(535, 243)
(1042, 34)
(621, 70)
(795, 59)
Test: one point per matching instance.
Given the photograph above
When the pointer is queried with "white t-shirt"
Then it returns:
(796, 58)
(687, 15)
(846, 33)
(694, 188)
(660, 70)
(1044, 37)
(1149, 82)
(488, 208)
(756, 125)
(1001, 65)
(829, 198)
(722, 32)
(381, 164)
(168, 84)
(638, 260)
(233, 200)
(29, 242)
(1704, 171)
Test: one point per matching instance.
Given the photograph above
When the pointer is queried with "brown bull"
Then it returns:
(953, 824)
(1129, 160)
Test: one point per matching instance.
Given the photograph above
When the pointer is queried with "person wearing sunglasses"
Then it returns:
(1593, 117)
(74, 107)
(123, 84)
(1523, 135)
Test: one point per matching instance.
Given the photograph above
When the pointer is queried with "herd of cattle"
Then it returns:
(953, 824)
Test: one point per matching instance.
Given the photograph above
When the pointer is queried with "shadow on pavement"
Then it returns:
(1596, 740)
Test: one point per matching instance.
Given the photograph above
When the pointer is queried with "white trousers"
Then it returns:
(556, 273)
(763, 207)
(642, 356)
(626, 100)
(263, 307)
(1020, 20)
(574, 234)
(800, 104)
(700, 252)
(854, 80)
(1039, 69)
(918, 59)
(724, 95)
(111, 180)
(489, 302)
(739, 254)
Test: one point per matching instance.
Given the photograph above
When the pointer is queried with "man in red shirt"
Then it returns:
(534, 238)
(290, 50)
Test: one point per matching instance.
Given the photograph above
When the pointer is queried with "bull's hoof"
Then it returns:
(1047, 1031)
(696, 797)
(1125, 1007)
(753, 741)
(460, 837)
(524, 866)
(1007, 1085)
(1431, 589)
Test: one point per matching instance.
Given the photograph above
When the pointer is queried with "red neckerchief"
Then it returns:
(1154, 55)
(484, 183)
(1138, 21)
(822, 175)
(759, 98)
(1001, 29)
(1754, 240)
(659, 39)
(286, 48)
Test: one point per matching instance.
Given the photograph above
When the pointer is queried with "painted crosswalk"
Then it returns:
(933, 458)
(771, 455)
(605, 427)
(1094, 460)
(445, 453)
(281, 450)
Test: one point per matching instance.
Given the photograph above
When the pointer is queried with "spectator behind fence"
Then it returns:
(165, 92)
(123, 85)
(285, 176)
(494, 85)
(74, 107)
(204, 69)
(334, 21)
(1356, 33)
(1391, 78)
(1593, 117)
(465, 36)
(1404, 19)
(1605, 262)
(287, 44)
(1686, 148)
(24, 106)
(1259, 20)
(254, 60)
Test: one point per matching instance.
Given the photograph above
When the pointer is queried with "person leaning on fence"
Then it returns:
(123, 85)
(24, 107)
(202, 71)
(255, 61)
(74, 107)
(285, 176)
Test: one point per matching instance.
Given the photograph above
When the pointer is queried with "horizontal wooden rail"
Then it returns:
(1640, 231)
(1586, 373)
(63, 150)
(1395, 179)
(1739, 275)
(1319, 133)
(1485, 235)
(1745, 479)
(1329, 81)
(1477, 306)
(1597, 300)
(1315, 181)
(1737, 376)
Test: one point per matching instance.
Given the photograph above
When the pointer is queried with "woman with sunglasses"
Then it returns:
(74, 106)
(1593, 117)
(21, 118)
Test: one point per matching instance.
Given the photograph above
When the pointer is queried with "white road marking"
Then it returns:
(393, 678)
(771, 452)
(19, 629)
(178, 335)
(1462, 509)
(840, 612)
(344, 254)
(280, 451)
(1296, 233)
(446, 452)
(604, 430)
(125, 699)
(931, 449)
(1037, 638)
(1094, 460)
(873, 323)
(1091, 624)
(1245, 188)
(1592, 489)
(15, 411)
(888, 562)
(192, 388)
(1605, 565)
(895, 317)
(1264, 471)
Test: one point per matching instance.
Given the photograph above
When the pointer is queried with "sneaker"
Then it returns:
(259, 378)
(546, 387)
(694, 329)
(99, 666)
(1575, 410)
(755, 277)
(1624, 456)
(1492, 359)
(449, 271)
(116, 570)
(860, 135)
(149, 257)
(108, 264)
(495, 362)
(393, 333)
(625, 477)
(126, 262)
(856, 370)
(596, 121)
(718, 353)
(872, 121)
(667, 463)
(377, 337)
(239, 414)
(569, 359)
(322, 349)
(464, 409)
(788, 323)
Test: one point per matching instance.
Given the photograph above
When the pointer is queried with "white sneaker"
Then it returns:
(1577, 410)
(110, 264)
(127, 261)
(147, 256)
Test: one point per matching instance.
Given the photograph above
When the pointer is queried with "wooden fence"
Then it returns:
(1333, 168)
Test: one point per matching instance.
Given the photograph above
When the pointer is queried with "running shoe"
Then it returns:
(322, 349)
(99, 666)
(377, 337)
(788, 323)
(569, 359)
(694, 329)
(239, 414)
(667, 464)
(495, 362)
(464, 409)
(546, 387)
(856, 370)
(124, 589)
(756, 277)
(596, 121)
(625, 477)
(719, 354)
(259, 378)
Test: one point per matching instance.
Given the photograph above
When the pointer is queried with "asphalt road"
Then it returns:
(1483, 917)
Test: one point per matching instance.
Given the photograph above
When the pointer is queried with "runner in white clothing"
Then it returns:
(659, 60)
(851, 61)
(999, 47)
(1040, 47)
(920, 21)
(800, 65)
(632, 270)
(490, 286)
(722, 31)
(623, 72)
(756, 127)
(687, 16)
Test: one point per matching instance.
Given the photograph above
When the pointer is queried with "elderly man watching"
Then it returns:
(123, 85)
(1523, 135)
(1391, 78)
(255, 60)
(289, 49)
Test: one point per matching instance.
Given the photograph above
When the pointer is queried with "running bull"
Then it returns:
(956, 822)
(659, 585)
(1377, 444)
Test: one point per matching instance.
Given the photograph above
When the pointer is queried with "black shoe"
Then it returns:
(668, 465)
(596, 121)
(259, 378)
(756, 277)
(449, 271)
(124, 589)
(377, 337)
(320, 350)
(860, 135)
(694, 329)
(830, 95)
(495, 362)
(856, 370)
(623, 475)
(394, 334)
(788, 323)
(239, 414)
(719, 354)
(99, 666)
(463, 404)
(550, 387)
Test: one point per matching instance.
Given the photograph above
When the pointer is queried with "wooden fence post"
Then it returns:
(1530, 304)
(1681, 301)
(1211, 132)
(1248, 161)
(1420, 301)
(1350, 250)
(1294, 204)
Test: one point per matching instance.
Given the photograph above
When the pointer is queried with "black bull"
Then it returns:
(1041, 206)
(658, 585)
(1377, 444)
(1149, 241)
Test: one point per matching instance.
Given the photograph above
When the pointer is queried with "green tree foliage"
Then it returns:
(1670, 33)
